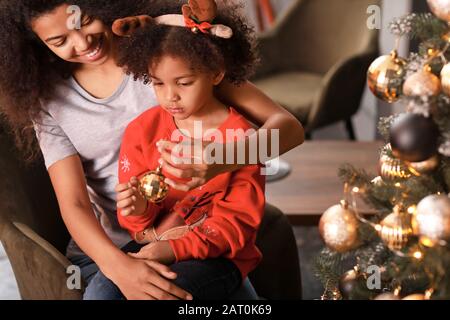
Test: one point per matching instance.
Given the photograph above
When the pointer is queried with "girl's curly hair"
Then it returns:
(29, 71)
(237, 56)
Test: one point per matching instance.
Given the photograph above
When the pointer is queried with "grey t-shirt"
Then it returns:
(76, 123)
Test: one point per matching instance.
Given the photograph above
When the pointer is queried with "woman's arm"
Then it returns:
(70, 187)
(260, 109)
(257, 107)
(137, 280)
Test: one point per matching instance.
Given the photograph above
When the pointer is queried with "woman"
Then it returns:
(59, 81)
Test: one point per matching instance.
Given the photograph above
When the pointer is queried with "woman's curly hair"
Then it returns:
(237, 56)
(29, 71)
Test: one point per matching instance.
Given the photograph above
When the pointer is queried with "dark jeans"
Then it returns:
(212, 279)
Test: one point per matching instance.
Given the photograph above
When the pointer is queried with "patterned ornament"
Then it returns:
(432, 219)
(392, 168)
(339, 228)
(440, 8)
(445, 79)
(153, 187)
(423, 167)
(416, 296)
(414, 137)
(385, 77)
(387, 296)
(422, 83)
(395, 230)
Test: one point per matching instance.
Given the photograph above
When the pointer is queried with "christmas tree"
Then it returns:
(403, 251)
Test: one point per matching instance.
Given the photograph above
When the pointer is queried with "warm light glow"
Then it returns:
(398, 184)
(418, 255)
(412, 210)
(432, 52)
(427, 242)
(378, 227)
(355, 189)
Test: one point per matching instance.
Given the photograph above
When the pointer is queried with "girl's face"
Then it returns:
(181, 91)
(89, 44)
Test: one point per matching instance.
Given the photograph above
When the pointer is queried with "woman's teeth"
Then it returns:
(95, 51)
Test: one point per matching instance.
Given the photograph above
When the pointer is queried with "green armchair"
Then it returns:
(315, 60)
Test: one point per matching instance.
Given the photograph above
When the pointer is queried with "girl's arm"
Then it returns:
(136, 279)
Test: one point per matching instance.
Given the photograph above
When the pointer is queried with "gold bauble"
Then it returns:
(431, 220)
(387, 296)
(153, 187)
(423, 167)
(445, 79)
(440, 8)
(395, 230)
(422, 83)
(385, 77)
(339, 228)
(416, 296)
(393, 169)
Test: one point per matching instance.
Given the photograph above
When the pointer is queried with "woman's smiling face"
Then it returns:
(91, 43)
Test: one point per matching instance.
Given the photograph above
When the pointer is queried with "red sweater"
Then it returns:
(233, 202)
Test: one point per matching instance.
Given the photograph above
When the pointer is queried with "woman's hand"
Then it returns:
(130, 200)
(192, 167)
(140, 279)
(160, 251)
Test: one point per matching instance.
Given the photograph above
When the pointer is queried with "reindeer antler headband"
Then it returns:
(198, 15)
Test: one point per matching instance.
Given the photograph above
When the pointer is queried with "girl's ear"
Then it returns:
(127, 26)
(218, 77)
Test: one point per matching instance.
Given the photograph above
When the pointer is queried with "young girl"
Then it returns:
(220, 220)
(67, 81)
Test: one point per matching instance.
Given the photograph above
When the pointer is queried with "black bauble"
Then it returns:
(414, 137)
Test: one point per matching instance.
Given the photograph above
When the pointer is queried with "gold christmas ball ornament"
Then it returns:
(445, 79)
(422, 83)
(416, 296)
(440, 8)
(432, 219)
(387, 296)
(153, 187)
(385, 77)
(395, 230)
(423, 167)
(393, 169)
(339, 228)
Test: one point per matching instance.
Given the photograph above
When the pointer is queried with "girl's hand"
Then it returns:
(145, 280)
(130, 200)
(160, 251)
(185, 167)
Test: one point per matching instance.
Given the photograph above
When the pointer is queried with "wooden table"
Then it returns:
(313, 185)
